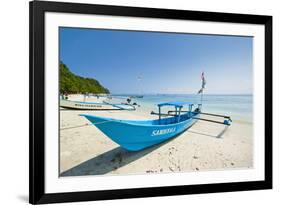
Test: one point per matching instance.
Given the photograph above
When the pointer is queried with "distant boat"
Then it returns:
(78, 105)
(136, 135)
(136, 96)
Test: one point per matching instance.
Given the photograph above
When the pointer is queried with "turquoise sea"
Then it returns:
(239, 107)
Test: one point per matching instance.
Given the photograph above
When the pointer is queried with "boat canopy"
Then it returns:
(176, 104)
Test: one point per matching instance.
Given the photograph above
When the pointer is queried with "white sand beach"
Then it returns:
(84, 150)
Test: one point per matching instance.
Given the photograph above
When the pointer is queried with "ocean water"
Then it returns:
(239, 107)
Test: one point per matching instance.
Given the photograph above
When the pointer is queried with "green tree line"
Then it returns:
(71, 83)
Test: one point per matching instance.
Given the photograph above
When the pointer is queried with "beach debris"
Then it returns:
(197, 169)
(195, 157)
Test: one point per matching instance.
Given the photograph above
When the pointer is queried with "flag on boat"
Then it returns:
(203, 83)
(203, 80)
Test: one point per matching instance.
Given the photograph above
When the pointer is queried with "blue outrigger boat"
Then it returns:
(135, 135)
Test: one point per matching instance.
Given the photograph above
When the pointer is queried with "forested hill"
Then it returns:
(71, 83)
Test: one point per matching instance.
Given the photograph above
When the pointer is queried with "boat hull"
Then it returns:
(138, 135)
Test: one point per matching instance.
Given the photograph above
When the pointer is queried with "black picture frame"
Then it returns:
(37, 9)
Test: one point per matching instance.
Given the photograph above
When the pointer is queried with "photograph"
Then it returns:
(148, 102)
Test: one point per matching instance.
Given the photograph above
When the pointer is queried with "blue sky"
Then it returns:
(154, 62)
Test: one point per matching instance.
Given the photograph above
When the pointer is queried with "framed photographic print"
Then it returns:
(140, 102)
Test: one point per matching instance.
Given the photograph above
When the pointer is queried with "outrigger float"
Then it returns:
(136, 135)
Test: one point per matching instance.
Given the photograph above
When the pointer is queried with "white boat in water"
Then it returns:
(78, 105)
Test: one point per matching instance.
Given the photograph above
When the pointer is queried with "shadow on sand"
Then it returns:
(219, 135)
(109, 161)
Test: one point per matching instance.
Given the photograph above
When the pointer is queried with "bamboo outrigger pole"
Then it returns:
(204, 113)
